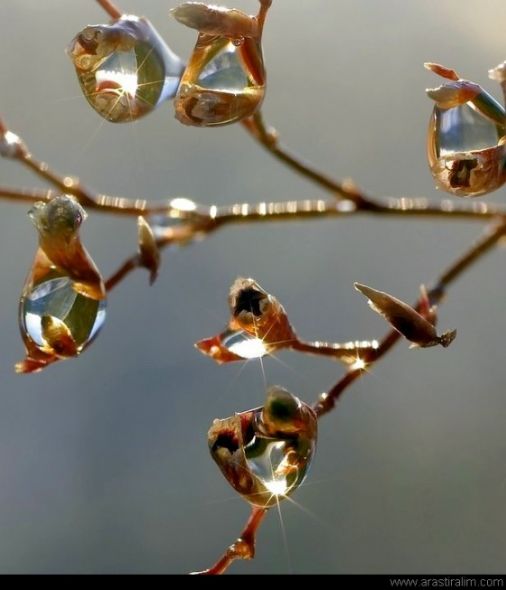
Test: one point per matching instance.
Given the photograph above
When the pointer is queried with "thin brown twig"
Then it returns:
(491, 237)
(327, 401)
(219, 217)
(347, 352)
(268, 138)
(265, 212)
(243, 548)
(213, 217)
(112, 10)
(126, 268)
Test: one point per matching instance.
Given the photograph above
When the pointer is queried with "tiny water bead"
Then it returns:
(57, 319)
(233, 345)
(243, 345)
(125, 69)
(265, 453)
(465, 146)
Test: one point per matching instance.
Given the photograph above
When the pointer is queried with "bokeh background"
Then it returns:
(104, 464)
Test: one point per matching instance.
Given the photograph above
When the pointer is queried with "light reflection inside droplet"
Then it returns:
(122, 82)
(245, 346)
(276, 487)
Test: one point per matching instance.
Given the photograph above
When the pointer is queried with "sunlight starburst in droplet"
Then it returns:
(126, 82)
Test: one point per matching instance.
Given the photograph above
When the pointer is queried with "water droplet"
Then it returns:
(243, 345)
(125, 69)
(233, 345)
(223, 82)
(58, 320)
(465, 155)
(265, 453)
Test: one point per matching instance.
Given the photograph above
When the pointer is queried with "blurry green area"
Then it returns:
(104, 465)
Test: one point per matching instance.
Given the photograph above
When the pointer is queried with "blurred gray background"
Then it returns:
(104, 464)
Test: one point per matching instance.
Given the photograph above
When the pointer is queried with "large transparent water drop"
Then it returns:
(125, 69)
(465, 151)
(279, 465)
(223, 82)
(265, 453)
(58, 320)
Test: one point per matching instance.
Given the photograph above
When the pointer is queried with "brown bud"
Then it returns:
(455, 93)
(259, 313)
(406, 320)
(149, 252)
(216, 20)
(442, 71)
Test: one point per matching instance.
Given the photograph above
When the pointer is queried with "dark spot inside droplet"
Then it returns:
(282, 409)
(248, 432)
(88, 41)
(460, 175)
(226, 440)
(249, 300)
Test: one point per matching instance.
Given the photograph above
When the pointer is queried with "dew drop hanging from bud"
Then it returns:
(56, 318)
(265, 453)
(125, 69)
(62, 306)
(233, 345)
(465, 146)
(224, 80)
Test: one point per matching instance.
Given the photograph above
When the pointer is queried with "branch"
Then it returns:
(112, 10)
(201, 220)
(328, 400)
(210, 219)
(243, 548)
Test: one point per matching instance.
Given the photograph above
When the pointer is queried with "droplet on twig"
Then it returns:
(259, 313)
(62, 306)
(224, 80)
(11, 145)
(233, 345)
(406, 320)
(265, 453)
(125, 69)
(465, 144)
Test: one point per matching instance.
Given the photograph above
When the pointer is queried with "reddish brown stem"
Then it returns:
(268, 138)
(243, 548)
(125, 269)
(112, 10)
(328, 400)
(347, 352)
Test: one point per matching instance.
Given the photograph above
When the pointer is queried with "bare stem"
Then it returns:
(418, 207)
(125, 269)
(268, 138)
(243, 548)
(491, 237)
(112, 10)
(203, 220)
(347, 352)
(218, 217)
